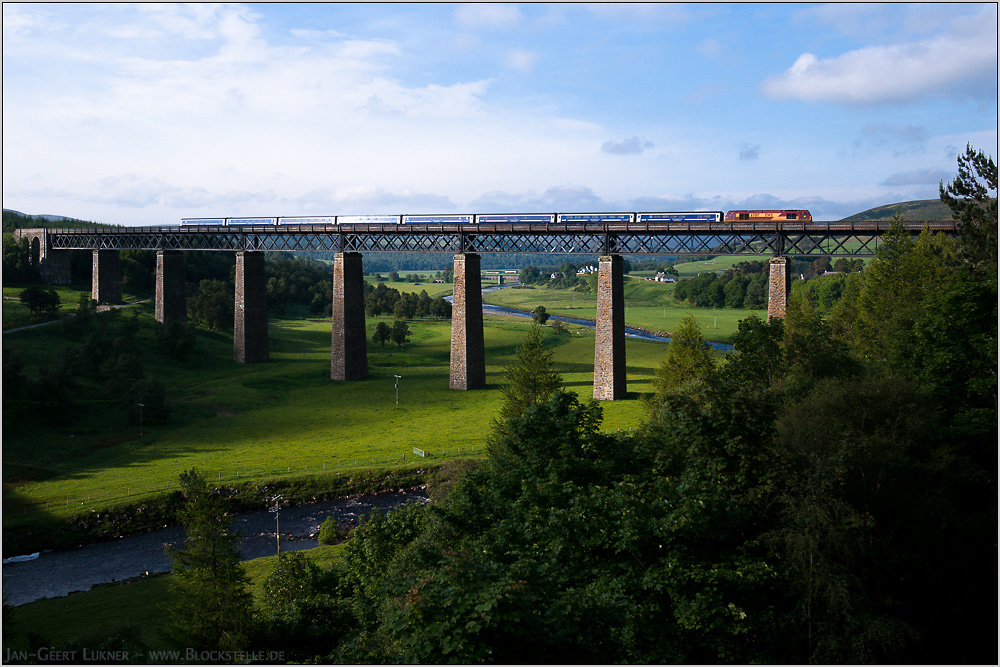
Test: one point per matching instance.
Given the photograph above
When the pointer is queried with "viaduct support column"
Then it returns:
(250, 321)
(609, 354)
(778, 287)
(171, 302)
(468, 350)
(349, 345)
(106, 277)
(53, 265)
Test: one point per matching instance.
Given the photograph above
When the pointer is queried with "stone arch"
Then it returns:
(35, 250)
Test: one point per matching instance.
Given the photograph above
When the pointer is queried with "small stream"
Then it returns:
(59, 573)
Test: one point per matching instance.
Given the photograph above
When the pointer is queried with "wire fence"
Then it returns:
(240, 474)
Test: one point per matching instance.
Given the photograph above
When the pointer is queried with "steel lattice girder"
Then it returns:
(561, 242)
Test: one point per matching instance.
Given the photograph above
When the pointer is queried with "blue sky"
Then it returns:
(143, 114)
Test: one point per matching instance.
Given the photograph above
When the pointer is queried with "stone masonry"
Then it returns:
(106, 277)
(349, 345)
(171, 301)
(250, 321)
(468, 350)
(53, 265)
(778, 287)
(609, 353)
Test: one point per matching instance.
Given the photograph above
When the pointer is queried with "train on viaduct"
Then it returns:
(609, 236)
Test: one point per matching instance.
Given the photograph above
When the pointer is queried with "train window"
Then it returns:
(744, 216)
(792, 216)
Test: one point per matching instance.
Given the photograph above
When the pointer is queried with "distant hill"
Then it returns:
(44, 216)
(16, 220)
(922, 209)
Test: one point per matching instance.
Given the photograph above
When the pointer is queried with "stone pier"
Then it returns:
(468, 350)
(349, 345)
(53, 265)
(778, 287)
(106, 277)
(609, 354)
(171, 301)
(250, 321)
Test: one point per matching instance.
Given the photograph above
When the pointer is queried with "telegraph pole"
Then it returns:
(398, 377)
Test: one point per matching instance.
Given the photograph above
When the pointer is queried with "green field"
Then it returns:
(281, 418)
(16, 315)
(648, 305)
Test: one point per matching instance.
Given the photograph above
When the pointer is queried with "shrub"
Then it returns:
(330, 531)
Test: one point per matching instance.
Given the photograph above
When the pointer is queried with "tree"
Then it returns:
(40, 300)
(210, 602)
(972, 198)
(539, 316)
(530, 379)
(400, 333)
(688, 358)
(382, 334)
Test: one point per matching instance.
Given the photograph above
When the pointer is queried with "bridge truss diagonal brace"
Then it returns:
(348, 345)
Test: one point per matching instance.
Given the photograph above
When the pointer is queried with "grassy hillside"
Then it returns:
(922, 209)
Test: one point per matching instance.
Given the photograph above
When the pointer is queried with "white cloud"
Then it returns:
(487, 15)
(521, 60)
(957, 63)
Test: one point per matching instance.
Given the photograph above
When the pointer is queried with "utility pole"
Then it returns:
(141, 406)
(277, 530)
(398, 377)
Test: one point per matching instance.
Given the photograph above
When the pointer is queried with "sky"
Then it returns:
(144, 114)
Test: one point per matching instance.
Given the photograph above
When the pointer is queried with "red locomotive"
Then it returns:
(764, 216)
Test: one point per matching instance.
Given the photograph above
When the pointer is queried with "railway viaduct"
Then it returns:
(50, 250)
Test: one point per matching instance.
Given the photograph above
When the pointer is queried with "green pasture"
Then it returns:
(281, 418)
(647, 304)
(16, 315)
(434, 290)
(140, 602)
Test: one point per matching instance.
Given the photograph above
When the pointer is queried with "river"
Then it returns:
(59, 573)
(490, 309)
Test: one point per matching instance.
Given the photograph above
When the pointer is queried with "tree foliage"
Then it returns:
(210, 603)
(972, 198)
(530, 379)
(688, 358)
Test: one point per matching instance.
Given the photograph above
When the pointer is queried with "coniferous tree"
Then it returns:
(688, 358)
(531, 379)
(972, 198)
(211, 605)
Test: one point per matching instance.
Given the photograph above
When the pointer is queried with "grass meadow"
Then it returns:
(284, 418)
